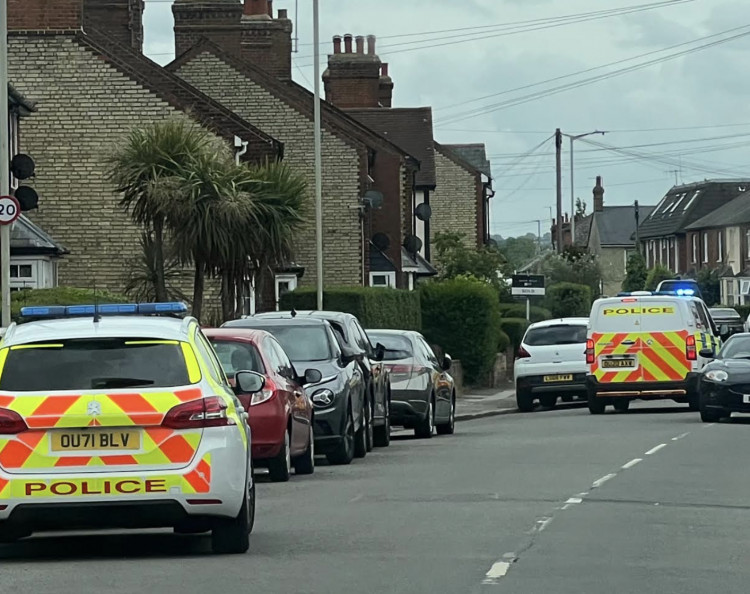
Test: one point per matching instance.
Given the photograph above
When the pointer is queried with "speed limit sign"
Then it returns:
(10, 209)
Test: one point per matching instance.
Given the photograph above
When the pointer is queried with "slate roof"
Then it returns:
(475, 155)
(736, 212)
(686, 204)
(379, 261)
(408, 128)
(26, 239)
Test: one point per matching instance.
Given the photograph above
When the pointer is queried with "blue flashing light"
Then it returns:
(109, 309)
(118, 309)
(43, 311)
(686, 292)
(175, 307)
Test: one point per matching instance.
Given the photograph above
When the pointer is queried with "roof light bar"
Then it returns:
(108, 309)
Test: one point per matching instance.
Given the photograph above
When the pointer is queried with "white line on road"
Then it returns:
(681, 436)
(498, 570)
(709, 425)
(632, 463)
(656, 449)
(542, 524)
(601, 481)
(574, 500)
(356, 498)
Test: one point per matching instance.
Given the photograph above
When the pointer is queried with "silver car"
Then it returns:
(423, 394)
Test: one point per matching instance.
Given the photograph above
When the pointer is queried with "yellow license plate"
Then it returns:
(558, 378)
(94, 440)
(617, 363)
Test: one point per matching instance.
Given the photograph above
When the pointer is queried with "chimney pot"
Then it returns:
(283, 13)
(384, 70)
(360, 44)
(348, 39)
(337, 44)
(371, 45)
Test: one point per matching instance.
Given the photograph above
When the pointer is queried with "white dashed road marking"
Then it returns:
(681, 436)
(602, 480)
(632, 463)
(656, 449)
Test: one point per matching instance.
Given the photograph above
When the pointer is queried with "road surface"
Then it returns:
(555, 501)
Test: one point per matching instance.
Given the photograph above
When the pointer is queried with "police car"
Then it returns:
(647, 346)
(120, 416)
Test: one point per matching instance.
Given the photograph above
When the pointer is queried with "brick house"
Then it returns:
(476, 156)
(664, 233)
(245, 64)
(91, 89)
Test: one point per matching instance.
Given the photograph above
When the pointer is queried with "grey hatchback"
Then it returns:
(423, 394)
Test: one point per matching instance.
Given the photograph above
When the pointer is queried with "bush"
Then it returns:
(538, 314)
(374, 307)
(515, 328)
(462, 316)
(743, 310)
(567, 300)
(636, 273)
(503, 342)
(61, 296)
(657, 274)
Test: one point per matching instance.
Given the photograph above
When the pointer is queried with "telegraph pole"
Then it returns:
(4, 164)
(318, 157)
(558, 158)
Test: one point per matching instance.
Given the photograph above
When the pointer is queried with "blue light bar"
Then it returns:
(38, 312)
(157, 308)
(109, 309)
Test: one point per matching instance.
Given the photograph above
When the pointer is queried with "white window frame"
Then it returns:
(705, 248)
(720, 245)
(695, 248)
(31, 282)
(284, 278)
(390, 279)
(747, 241)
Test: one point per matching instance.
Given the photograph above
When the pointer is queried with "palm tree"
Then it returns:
(142, 273)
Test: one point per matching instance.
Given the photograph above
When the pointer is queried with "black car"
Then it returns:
(727, 320)
(725, 382)
(355, 343)
(339, 398)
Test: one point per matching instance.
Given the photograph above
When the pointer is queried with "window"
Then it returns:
(303, 343)
(720, 246)
(95, 364)
(747, 243)
(237, 356)
(285, 366)
(383, 279)
(21, 271)
(554, 335)
(205, 352)
(705, 247)
(396, 347)
(360, 337)
(694, 239)
(285, 283)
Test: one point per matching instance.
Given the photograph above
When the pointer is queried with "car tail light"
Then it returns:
(590, 355)
(206, 412)
(268, 392)
(403, 372)
(522, 353)
(690, 350)
(11, 422)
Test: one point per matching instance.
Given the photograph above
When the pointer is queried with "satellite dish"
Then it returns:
(381, 241)
(22, 167)
(413, 244)
(423, 212)
(373, 198)
(27, 198)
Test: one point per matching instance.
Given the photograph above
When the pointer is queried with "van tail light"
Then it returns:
(590, 355)
(11, 422)
(198, 414)
(268, 392)
(690, 350)
(522, 353)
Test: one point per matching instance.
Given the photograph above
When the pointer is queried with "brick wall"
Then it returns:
(84, 107)
(122, 20)
(342, 229)
(217, 21)
(454, 202)
(44, 14)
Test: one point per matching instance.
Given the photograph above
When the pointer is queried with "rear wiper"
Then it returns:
(99, 383)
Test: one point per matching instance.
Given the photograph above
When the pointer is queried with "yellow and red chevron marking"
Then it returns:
(198, 480)
(661, 356)
(4, 488)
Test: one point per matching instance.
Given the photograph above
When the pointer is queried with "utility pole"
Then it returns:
(539, 236)
(637, 225)
(572, 181)
(4, 164)
(318, 156)
(558, 165)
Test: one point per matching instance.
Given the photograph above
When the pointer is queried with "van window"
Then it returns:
(639, 316)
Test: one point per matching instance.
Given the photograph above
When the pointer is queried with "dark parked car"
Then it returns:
(355, 343)
(423, 392)
(339, 403)
(725, 382)
(727, 320)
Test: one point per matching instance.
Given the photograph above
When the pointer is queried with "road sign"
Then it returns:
(527, 285)
(10, 210)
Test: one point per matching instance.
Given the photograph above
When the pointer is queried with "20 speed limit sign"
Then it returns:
(10, 210)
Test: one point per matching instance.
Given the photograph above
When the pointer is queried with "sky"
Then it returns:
(486, 67)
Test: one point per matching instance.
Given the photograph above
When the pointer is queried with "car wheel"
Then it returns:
(426, 427)
(694, 402)
(597, 406)
(305, 464)
(450, 427)
(370, 433)
(280, 467)
(383, 433)
(548, 401)
(360, 437)
(711, 416)
(232, 537)
(621, 405)
(524, 400)
(344, 453)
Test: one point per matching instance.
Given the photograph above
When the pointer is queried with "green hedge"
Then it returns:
(515, 328)
(503, 342)
(374, 307)
(61, 296)
(566, 300)
(537, 314)
(462, 316)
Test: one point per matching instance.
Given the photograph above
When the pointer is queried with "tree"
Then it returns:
(519, 251)
(143, 276)
(455, 259)
(575, 265)
(657, 274)
(636, 273)
(709, 282)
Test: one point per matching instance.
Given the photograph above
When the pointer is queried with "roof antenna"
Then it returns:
(96, 304)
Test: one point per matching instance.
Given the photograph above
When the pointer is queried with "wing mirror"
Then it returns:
(447, 362)
(379, 352)
(724, 330)
(312, 376)
(249, 382)
(707, 353)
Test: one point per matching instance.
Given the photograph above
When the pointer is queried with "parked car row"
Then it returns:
(332, 388)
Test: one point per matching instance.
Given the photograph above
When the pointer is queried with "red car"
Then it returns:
(281, 414)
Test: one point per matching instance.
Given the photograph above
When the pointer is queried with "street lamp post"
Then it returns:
(318, 157)
(572, 182)
(4, 164)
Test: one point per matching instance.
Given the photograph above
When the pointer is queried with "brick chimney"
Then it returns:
(266, 41)
(598, 195)
(217, 20)
(36, 15)
(386, 87)
(121, 20)
(353, 78)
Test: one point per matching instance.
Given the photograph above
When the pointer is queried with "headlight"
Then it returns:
(323, 397)
(717, 375)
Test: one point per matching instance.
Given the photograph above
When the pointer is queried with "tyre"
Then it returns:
(344, 453)
(305, 464)
(694, 401)
(524, 400)
(548, 401)
(711, 416)
(426, 427)
(232, 536)
(370, 433)
(383, 433)
(280, 467)
(621, 405)
(597, 406)
(360, 438)
(450, 427)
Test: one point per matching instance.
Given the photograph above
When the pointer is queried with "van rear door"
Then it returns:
(616, 335)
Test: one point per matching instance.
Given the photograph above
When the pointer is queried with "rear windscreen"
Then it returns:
(640, 316)
(558, 334)
(94, 364)
(237, 356)
(303, 343)
(396, 347)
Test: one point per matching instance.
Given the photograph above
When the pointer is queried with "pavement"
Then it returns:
(650, 501)
(480, 403)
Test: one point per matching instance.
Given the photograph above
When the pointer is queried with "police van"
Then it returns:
(647, 346)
